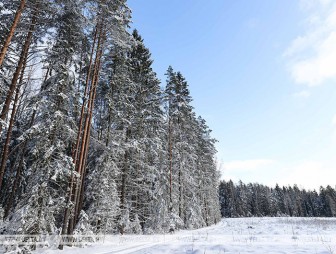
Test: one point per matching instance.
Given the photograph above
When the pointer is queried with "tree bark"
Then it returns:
(80, 189)
(11, 124)
(17, 72)
(170, 165)
(123, 188)
(79, 162)
(87, 141)
(68, 222)
(20, 166)
(88, 76)
(180, 193)
(11, 31)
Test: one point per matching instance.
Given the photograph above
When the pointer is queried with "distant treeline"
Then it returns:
(245, 200)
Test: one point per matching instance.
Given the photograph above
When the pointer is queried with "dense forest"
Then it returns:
(90, 140)
(241, 200)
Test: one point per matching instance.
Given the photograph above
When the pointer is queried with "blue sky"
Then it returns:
(263, 75)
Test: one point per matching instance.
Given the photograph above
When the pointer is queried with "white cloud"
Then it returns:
(302, 94)
(246, 170)
(312, 56)
(334, 128)
(247, 165)
(334, 121)
(310, 4)
(310, 174)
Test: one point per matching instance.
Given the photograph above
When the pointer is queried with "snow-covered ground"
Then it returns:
(242, 235)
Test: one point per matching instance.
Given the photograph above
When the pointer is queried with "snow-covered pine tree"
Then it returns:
(35, 22)
(12, 78)
(5, 41)
(209, 175)
(109, 91)
(24, 51)
(111, 20)
(146, 130)
(191, 159)
(52, 134)
(102, 198)
(85, 144)
(178, 99)
(114, 110)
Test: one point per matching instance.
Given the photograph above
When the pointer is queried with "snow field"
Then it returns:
(230, 236)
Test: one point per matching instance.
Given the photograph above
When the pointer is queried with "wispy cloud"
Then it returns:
(247, 165)
(334, 121)
(310, 174)
(312, 55)
(334, 128)
(309, 4)
(302, 94)
(246, 170)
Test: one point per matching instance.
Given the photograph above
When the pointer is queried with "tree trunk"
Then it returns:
(11, 124)
(88, 76)
(24, 146)
(87, 141)
(180, 193)
(108, 128)
(18, 171)
(87, 137)
(15, 78)
(67, 211)
(170, 165)
(11, 31)
(206, 212)
(123, 189)
(19, 70)
(68, 223)
(14, 188)
(80, 162)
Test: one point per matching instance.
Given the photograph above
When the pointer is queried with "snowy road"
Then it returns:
(230, 236)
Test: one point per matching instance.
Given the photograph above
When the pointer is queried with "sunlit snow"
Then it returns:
(240, 235)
